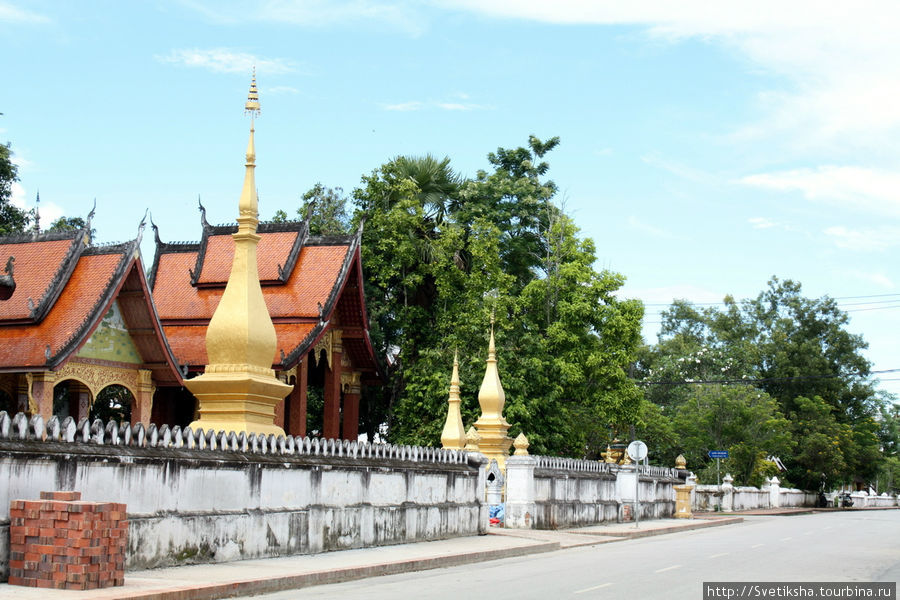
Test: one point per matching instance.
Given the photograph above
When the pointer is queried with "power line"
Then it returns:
(760, 379)
(834, 298)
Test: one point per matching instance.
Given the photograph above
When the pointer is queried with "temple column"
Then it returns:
(42, 393)
(297, 412)
(351, 386)
(332, 418)
(22, 383)
(143, 403)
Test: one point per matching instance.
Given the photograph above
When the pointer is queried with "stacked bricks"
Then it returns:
(62, 543)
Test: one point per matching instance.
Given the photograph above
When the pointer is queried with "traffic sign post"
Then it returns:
(637, 450)
(718, 454)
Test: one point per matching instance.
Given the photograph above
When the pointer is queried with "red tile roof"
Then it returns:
(299, 299)
(273, 250)
(25, 345)
(188, 342)
(35, 267)
(80, 284)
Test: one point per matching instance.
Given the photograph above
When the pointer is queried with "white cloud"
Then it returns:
(404, 106)
(315, 13)
(838, 58)
(419, 105)
(762, 223)
(651, 230)
(864, 240)
(13, 14)
(879, 279)
(281, 89)
(872, 190)
(224, 60)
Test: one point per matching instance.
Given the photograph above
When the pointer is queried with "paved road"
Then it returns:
(843, 546)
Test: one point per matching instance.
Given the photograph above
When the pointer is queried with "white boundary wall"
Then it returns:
(194, 496)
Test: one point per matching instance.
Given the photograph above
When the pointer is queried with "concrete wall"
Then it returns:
(729, 498)
(550, 493)
(196, 497)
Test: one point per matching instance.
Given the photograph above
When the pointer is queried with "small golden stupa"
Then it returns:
(491, 425)
(453, 436)
(238, 390)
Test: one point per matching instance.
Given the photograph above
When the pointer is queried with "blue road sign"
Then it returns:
(718, 453)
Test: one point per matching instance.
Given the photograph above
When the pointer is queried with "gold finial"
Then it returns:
(680, 462)
(252, 105)
(453, 436)
(521, 445)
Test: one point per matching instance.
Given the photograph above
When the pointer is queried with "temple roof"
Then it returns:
(63, 290)
(309, 283)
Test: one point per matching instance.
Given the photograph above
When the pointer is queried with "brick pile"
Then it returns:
(62, 543)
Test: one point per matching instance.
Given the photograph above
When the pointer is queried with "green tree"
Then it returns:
(327, 208)
(795, 349)
(737, 418)
(440, 255)
(12, 218)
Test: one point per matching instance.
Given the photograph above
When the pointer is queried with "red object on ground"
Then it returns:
(62, 543)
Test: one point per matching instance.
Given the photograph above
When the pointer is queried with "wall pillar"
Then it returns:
(683, 502)
(332, 418)
(520, 492)
(143, 403)
(297, 399)
(774, 492)
(351, 386)
(727, 493)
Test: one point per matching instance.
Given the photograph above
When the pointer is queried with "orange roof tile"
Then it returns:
(35, 266)
(310, 284)
(188, 342)
(25, 345)
(273, 250)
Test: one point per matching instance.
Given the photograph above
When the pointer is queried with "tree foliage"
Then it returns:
(784, 346)
(12, 218)
(442, 254)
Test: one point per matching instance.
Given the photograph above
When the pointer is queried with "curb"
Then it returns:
(641, 533)
(269, 585)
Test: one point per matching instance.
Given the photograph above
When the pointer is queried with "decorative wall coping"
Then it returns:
(574, 465)
(21, 428)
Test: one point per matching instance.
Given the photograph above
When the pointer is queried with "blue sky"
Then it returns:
(706, 146)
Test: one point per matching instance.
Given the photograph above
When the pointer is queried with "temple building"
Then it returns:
(313, 289)
(79, 334)
(79, 322)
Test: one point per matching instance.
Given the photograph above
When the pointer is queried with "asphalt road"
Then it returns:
(840, 546)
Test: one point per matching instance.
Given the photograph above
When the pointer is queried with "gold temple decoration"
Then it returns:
(454, 435)
(472, 439)
(680, 462)
(238, 390)
(521, 445)
(491, 425)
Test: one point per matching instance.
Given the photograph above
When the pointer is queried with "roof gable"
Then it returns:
(43, 264)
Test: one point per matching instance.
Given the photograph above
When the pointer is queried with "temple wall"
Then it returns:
(196, 497)
(551, 493)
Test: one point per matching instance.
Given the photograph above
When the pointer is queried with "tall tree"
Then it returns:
(12, 218)
(795, 349)
(441, 255)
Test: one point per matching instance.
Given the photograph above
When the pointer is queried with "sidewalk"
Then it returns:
(247, 577)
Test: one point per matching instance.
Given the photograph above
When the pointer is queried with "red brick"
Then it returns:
(68, 496)
(16, 505)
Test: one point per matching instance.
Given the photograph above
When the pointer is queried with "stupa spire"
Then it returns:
(491, 425)
(454, 435)
(238, 390)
